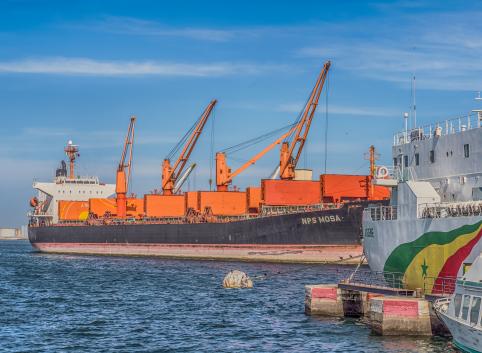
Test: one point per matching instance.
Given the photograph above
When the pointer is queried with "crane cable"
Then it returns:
(246, 144)
(183, 140)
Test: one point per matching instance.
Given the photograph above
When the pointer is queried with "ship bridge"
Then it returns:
(64, 188)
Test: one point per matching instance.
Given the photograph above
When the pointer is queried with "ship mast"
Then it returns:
(372, 156)
(72, 152)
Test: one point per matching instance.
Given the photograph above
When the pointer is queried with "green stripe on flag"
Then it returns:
(402, 256)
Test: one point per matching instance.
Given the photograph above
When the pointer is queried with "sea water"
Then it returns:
(67, 303)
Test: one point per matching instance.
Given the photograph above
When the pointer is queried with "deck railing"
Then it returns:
(439, 285)
(281, 210)
(381, 213)
(473, 120)
(450, 209)
(367, 277)
(442, 286)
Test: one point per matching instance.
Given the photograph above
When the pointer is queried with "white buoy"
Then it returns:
(237, 279)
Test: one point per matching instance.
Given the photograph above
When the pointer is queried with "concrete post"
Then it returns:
(394, 316)
(323, 299)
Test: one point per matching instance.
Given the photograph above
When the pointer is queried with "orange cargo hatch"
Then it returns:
(290, 192)
(192, 200)
(73, 210)
(253, 198)
(164, 205)
(135, 207)
(343, 187)
(100, 206)
(223, 203)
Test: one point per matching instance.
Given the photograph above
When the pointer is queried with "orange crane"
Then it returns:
(224, 176)
(123, 179)
(171, 174)
(299, 132)
(291, 150)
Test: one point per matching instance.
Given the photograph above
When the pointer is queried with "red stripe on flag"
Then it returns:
(452, 266)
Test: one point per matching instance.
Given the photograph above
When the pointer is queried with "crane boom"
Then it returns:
(299, 131)
(122, 181)
(224, 176)
(170, 174)
(287, 161)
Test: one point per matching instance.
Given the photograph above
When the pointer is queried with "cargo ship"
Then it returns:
(431, 232)
(288, 217)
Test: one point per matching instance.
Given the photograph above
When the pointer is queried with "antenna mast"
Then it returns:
(72, 152)
(414, 102)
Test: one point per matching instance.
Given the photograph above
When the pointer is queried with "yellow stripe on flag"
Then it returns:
(429, 261)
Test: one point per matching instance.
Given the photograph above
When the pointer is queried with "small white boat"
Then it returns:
(461, 313)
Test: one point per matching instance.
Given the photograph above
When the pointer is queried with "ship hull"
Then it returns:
(427, 252)
(331, 235)
(466, 338)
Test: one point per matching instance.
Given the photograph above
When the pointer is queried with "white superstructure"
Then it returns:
(431, 228)
(66, 187)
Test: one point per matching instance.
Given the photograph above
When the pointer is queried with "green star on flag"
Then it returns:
(424, 268)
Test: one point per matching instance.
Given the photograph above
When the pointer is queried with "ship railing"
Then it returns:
(227, 219)
(282, 210)
(366, 277)
(70, 222)
(440, 286)
(472, 120)
(381, 213)
(450, 209)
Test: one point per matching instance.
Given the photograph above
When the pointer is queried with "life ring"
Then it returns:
(382, 172)
(34, 202)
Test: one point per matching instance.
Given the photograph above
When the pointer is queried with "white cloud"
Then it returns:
(45, 132)
(442, 49)
(134, 26)
(86, 66)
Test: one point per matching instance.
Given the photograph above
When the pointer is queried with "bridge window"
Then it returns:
(465, 307)
(417, 159)
(432, 156)
(475, 310)
(458, 304)
(466, 150)
(405, 161)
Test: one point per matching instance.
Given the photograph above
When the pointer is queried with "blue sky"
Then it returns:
(78, 69)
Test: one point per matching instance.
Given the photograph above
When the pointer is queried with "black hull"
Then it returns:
(330, 228)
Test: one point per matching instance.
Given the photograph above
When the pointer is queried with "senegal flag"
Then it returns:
(434, 255)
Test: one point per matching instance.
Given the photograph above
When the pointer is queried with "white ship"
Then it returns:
(431, 231)
(65, 187)
(462, 313)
